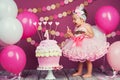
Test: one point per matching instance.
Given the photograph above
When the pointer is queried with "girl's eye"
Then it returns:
(74, 19)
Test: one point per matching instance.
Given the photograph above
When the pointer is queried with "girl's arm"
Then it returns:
(89, 31)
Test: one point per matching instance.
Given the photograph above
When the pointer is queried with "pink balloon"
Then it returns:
(29, 22)
(107, 19)
(13, 59)
(113, 56)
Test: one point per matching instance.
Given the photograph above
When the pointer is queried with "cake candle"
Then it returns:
(46, 35)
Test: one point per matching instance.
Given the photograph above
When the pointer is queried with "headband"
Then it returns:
(80, 12)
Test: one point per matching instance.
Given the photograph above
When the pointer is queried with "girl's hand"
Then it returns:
(69, 32)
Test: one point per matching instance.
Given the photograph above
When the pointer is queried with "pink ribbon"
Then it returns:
(78, 40)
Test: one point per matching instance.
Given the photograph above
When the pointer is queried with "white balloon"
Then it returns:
(11, 30)
(8, 8)
(3, 44)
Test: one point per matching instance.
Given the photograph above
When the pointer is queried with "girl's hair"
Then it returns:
(85, 12)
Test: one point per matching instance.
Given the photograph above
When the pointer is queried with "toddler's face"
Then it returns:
(77, 20)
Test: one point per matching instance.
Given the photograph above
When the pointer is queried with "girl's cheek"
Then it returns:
(74, 21)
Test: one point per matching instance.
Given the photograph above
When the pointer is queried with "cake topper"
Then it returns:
(46, 35)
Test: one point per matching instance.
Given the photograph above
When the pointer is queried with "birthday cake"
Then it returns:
(48, 54)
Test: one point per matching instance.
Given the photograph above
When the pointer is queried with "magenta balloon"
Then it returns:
(28, 20)
(107, 19)
(13, 59)
(113, 56)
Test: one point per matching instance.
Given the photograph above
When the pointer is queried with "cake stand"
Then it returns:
(50, 75)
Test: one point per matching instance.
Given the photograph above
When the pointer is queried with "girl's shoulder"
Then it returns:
(80, 29)
(87, 24)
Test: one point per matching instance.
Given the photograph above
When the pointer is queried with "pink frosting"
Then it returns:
(48, 62)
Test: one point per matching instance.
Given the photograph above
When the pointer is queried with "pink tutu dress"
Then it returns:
(82, 48)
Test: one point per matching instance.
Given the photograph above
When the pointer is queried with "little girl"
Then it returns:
(86, 44)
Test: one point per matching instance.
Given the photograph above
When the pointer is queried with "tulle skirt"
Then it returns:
(87, 48)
